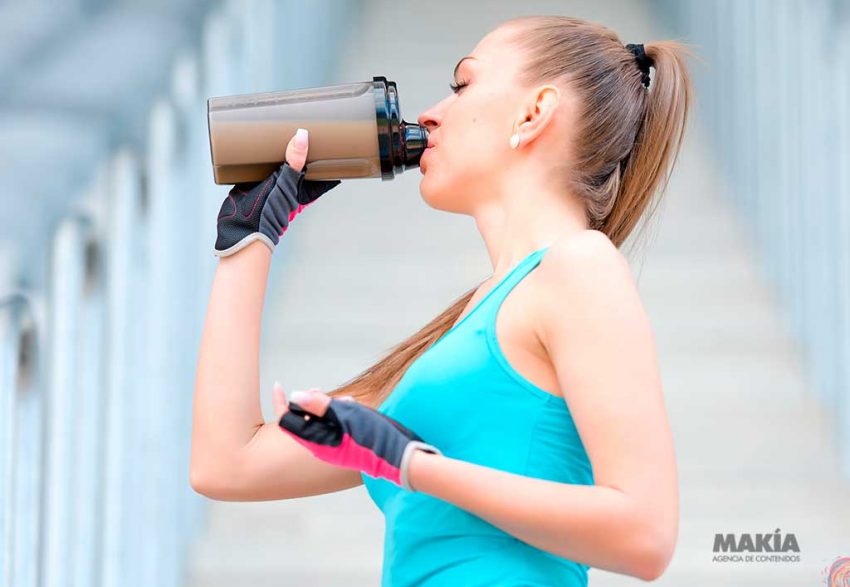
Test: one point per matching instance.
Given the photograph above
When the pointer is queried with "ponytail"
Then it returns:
(646, 170)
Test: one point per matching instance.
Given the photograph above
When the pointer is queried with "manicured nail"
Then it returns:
(300, 396)
(301, 137)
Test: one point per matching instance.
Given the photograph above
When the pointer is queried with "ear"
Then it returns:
(542, 107)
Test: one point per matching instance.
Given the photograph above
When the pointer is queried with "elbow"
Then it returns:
(199, 476)
(655, 554)
(651, 567)
(213, 472)
(654, 560)
(199, 482)
(198, 486)
(211, 487)
(203, 484)
(218, 485)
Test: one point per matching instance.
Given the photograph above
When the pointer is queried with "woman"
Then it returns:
(517, 451)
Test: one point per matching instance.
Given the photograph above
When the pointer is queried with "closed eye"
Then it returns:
(457, 87)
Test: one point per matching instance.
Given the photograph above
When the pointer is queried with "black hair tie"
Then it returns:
(644, 62)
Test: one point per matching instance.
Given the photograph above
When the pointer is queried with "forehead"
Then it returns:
(495, 51)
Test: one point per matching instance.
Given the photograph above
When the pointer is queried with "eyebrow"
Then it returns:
(459, 62)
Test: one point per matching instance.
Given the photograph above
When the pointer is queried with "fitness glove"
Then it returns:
(262, 210)
(358, 437)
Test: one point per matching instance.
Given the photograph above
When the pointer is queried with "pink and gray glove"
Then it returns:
(355, 436)
(262, 210)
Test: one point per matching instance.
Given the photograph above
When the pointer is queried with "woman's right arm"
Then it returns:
(235, 455)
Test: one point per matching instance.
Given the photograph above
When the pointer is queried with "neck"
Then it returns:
(523, 218)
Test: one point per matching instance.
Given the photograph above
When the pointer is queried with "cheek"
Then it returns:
(468, 156)
(457, 173)
(475, 145)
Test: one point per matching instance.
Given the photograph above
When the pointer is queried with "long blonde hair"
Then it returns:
(625, 148)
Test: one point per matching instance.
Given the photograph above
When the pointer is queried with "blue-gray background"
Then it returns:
(106, 235)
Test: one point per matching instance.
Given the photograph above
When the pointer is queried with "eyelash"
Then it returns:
(456, 88)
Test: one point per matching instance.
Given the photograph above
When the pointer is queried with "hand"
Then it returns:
(345, 433)
(281, 405)
(263, 210)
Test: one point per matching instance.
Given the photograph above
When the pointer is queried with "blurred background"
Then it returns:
(106, 259)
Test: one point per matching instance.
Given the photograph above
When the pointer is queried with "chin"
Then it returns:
(427, 194)
(440, 197)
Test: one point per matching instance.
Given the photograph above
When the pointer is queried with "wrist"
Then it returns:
(255, 247)
(418, 461)
(244, 243)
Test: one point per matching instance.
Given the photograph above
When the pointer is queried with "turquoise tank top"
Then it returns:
(462, 396)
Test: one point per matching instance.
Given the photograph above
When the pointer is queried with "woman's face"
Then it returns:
(471, 129)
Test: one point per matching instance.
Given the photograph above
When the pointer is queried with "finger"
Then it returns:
(296, 150)
(313, 401)
(279, 400)
(280, 405)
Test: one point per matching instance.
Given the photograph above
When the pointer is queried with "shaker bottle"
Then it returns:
(356, 131)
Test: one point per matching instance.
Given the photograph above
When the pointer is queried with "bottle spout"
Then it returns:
(415, 138)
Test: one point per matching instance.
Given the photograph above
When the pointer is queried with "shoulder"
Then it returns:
(589, 254)
(582, 276)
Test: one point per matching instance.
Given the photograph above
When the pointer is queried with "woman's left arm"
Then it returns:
(594, 327)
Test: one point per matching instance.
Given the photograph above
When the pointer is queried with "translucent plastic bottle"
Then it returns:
(356, 131)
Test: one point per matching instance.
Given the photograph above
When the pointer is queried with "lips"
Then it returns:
(430, 146)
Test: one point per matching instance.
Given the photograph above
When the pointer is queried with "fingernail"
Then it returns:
(301, 137)
(299, 396)
(278, 386)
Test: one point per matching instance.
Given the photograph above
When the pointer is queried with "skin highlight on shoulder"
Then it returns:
(567, 263)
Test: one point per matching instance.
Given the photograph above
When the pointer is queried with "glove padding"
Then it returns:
(357, 437)
(262, 210)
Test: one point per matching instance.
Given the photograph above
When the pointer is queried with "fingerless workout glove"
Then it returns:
(358, 437)
(263, 210)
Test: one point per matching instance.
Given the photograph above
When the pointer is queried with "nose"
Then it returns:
(429, 119)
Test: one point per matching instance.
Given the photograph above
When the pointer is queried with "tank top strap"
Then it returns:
(493, 298)
(510, 280)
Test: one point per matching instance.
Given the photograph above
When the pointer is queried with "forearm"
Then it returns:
(595, 525)
(226, 409)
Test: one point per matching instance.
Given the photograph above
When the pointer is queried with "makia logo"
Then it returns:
(758, 543)
(838, 573)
